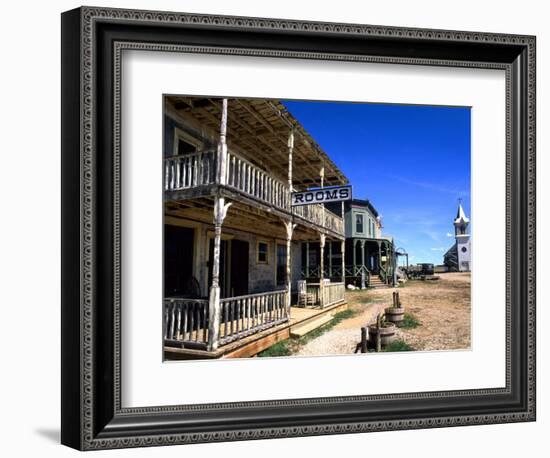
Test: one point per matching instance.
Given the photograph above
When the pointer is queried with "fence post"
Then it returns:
(364, 338)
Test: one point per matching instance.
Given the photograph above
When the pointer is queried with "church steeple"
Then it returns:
(458, 257)
(461, 221)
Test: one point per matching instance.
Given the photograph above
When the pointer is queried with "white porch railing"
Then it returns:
(255, 182)
(328, 294)
(320, 216)
(189, 170)
(333, 293)
(187, 324)
(245, 315)
(198, 169)
(186, 321)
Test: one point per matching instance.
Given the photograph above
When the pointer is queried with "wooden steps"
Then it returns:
(302, 329)
(376, 282)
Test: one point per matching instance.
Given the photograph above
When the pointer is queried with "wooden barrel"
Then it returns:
(387, 333)
(395, 314)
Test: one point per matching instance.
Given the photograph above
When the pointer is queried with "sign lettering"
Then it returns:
(321, 195)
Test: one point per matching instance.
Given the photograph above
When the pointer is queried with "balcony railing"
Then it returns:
(199, 169)
(255, 182)
(187, 321)
(320, 216)
(189, 170)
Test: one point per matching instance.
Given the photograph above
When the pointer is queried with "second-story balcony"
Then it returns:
(196, 174)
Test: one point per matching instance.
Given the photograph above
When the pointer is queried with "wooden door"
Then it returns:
(178, 260)
(239, 267)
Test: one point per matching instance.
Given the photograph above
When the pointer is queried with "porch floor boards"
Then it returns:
(253, 344)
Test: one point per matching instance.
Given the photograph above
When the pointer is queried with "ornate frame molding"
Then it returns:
(101, 423)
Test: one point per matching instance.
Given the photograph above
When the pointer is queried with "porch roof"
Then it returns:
(260, 128)
(248, 216)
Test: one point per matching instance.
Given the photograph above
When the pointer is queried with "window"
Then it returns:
(185, 143)
(262, 252)
(281, 264)
(185, 147)
(359, 223)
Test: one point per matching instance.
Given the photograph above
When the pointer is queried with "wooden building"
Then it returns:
(370, 256)
(232, 242)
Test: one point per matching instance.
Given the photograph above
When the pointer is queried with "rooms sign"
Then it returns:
(321, 195)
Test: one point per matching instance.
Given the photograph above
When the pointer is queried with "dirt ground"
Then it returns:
(442, 307)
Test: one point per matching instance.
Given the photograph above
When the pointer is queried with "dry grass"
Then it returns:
(442, 307)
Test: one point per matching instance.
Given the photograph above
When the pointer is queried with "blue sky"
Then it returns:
(411, 162)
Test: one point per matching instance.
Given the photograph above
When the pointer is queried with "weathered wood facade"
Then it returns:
(232, 240)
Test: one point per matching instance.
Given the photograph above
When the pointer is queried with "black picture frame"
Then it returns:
(92, 416)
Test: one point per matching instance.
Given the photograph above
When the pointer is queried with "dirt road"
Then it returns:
(442, 307)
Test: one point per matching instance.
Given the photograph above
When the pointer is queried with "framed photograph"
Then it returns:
(277, 228)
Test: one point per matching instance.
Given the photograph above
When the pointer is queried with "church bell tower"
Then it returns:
(462, 238)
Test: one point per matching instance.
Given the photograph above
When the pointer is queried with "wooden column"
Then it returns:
(330, 259)
(222, 148)
(214, 308)
(290, 151)
(354, 255)
(289, 231)
(321, 270)
(307, 260)
(343, 251)
(343, 246)
(322, 175)
(363, 285)
(220, 211)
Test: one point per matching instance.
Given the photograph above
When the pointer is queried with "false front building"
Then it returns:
(232, 241)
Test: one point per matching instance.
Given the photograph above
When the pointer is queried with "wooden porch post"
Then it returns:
(330, 259)
(343, 247)
(363, 286)
(220, 212)
(343, 251)
(290, 150)
(321, 270)
(289, 226)
(379, 256)
(307, 260)
(214, 309)
(221, 176)
(354, 255)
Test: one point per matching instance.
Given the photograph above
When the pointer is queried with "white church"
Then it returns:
(458, 257)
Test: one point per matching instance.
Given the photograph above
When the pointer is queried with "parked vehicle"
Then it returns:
(420, 271)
